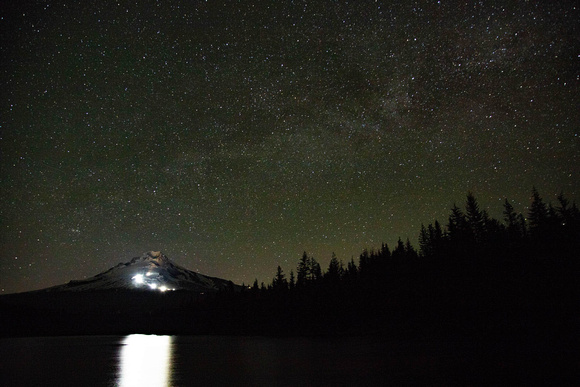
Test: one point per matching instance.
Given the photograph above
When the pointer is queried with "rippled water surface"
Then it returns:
(149, 360)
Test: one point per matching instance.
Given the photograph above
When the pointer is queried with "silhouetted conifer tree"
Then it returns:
(425, 244)
(564, 209)
(431, 240)
(513, 225)
(475, 219)
(399, 251)
(303, 270)
(459, 233)
(457, 224)
(292, 283)
(538, 214)
(333, 274)
(280, 282)
(351, 270)
(410, 252)
(364, 263)
(315, 270)
(523, 225)
(438, 238)
(383, 258)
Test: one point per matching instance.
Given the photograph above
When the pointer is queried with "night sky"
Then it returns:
(234, 135)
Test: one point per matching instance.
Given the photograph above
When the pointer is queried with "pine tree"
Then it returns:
(457, 225)
(509, 215)
(425, 244)
(303, 270)
(564, 211)
(410, 252)
(364, 263)
(475, 219)
(438, 239)
(351, 270)
(385, 253)
(523, 228)
(292, 283)
(513, 225)
(538, 214)
(333, 273)
(399, 252)
(279, 282)
(315, 270)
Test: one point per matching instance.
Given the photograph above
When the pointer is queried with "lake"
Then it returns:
(149, 360)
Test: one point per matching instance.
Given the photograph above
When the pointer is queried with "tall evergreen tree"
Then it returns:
(280, 282)
(333, 274)
(538, 214)
(364, 263)
(513, 224)
(475, 219)
(351, 270)
(523, 227)
(425, 244)
(509, 215)
(385, 252)
(410, 251)
(303, 270)
(399, 251)
(457, 225)
(315, 270)
(438, 238)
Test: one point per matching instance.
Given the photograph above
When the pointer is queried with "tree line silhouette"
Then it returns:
(475, 278)
(548, 232)
(483, 291)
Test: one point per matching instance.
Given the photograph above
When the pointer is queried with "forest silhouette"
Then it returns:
(484, 291)
(514, 277)
(473, 279)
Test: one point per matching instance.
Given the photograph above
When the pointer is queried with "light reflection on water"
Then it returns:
(145, 360)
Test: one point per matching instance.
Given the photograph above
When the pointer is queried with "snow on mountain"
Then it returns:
(152, 271)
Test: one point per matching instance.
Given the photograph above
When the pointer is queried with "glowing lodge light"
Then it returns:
(140, 280)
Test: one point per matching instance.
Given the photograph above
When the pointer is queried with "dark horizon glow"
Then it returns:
(234, 137)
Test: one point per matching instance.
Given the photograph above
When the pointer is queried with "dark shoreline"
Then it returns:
(514, 321)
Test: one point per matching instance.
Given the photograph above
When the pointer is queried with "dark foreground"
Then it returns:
(518, 324)
(139, 360)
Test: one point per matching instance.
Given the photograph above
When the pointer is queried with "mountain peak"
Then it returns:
(153, 270)
(155, 256)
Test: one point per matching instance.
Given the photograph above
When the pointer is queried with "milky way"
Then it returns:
(234, 136)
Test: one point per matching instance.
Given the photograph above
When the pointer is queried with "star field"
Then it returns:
(235, 135)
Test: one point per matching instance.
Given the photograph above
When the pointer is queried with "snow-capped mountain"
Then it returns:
(152, 271)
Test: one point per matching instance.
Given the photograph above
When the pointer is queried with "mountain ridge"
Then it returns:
(154, 271)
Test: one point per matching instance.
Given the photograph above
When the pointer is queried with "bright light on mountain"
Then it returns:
(140, 280)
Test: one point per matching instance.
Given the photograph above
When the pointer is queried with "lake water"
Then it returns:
(149, 360)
